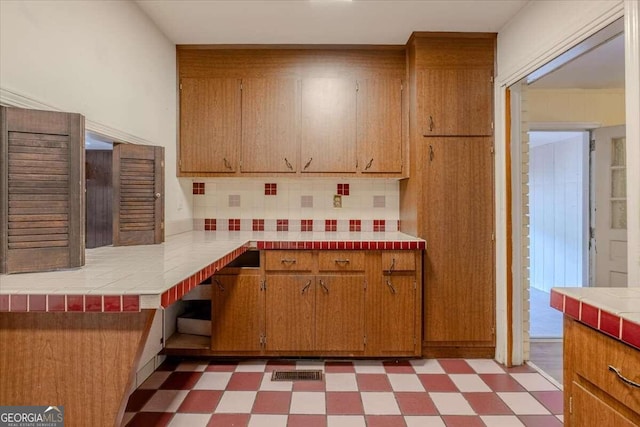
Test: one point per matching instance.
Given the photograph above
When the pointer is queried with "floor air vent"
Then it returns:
(296, 376)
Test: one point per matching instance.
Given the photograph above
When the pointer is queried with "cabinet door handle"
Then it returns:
(393, 265)
(288, 164)
(390, 285)
(431, 154)
(369, 164)
(217, 282)
(226, 163)
(288, 261)
(341, 261)
(324, 287)
(306, 287)
(306, 166)
(623, 378)
(430, 123)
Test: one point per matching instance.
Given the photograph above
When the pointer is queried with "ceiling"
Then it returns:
(321, 21)
(599, 68)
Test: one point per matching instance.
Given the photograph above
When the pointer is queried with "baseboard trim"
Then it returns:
(446, 352)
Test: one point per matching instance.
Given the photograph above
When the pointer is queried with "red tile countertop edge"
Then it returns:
(597, 318)
(131, 303)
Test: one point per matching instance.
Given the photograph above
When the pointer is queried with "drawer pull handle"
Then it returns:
(390, 285)
(341, 261)
(217, 282)
(306, 166)
(288, 164)
(369, 164)
(227, 164)
(623, 378)
(324, 287)
(287, 261)
(393, 265)
(306, 287)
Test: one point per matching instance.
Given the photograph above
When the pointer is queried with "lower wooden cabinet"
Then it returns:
(594, 395)
(235, 300)
(316, 303)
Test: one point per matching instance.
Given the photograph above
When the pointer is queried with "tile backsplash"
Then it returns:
(295, 204)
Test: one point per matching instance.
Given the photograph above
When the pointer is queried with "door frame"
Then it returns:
(509, 298)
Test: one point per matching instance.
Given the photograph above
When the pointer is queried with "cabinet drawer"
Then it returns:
(341, 261)
(288, 260)
(398, 261)
(593, 355)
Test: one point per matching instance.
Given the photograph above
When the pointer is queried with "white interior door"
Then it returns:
(609, 203)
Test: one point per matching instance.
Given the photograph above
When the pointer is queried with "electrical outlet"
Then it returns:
(337, 201)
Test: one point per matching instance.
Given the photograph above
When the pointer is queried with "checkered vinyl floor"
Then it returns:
(359, 393)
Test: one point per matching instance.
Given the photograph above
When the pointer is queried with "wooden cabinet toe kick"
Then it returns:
(83, 361)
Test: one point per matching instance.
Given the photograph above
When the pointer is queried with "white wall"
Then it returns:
(105, 60)
(557, 209)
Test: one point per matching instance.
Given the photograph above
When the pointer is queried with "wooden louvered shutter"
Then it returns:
(42, 190)
(138, 194)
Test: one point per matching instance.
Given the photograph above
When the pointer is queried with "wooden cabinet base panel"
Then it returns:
(83, 361)
(448, 352)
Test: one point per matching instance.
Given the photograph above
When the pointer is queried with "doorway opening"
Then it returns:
(556, 113)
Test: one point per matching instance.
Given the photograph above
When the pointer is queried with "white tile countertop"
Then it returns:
(130, 278)
(613, 311)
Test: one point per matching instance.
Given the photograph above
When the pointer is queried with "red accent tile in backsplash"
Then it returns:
(631, 333)
(379, 225)
(56, 303)
(112, 303)
(130, 303)
(198, 188)
(343, 189)
(37, 303)
(234, 225)
(355, 225)
(610, 324)
(18, 303)
(92, 303)
(4, 302)
(258, 225)
(571, 307)
(74, 302)
(589, 315)
(270, 189)
(557, 300)
(306, 225)
(282, 225)
(210, 224)
(330, 225)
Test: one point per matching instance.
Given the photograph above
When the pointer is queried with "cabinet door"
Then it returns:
(270, 125)
(590, 411)
(455, 102)
(236, 311)
(289, 313)
(209, 124)
(391, 311)
(458, 269)
(340, 313)
(328, 125)
(380, 126)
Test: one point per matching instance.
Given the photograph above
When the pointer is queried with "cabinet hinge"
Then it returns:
(241, 86)
(365, 285)
(162, 163)
(493, 236)
(492, 125)
(415, 285)
(492, 150)
(180, 86)
(365, 340)
(263, 339)
(401, 87)
(592, 145)
(491, 79)
(263, 285)
(162, 225)
(357, 86)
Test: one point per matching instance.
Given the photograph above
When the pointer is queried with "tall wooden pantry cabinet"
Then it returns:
(448, 198)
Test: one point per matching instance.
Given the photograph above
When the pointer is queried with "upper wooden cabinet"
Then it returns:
(209, 124)
(379, 122)
(456, 102)
(328, 125)
(311, 111)
(270, 125)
